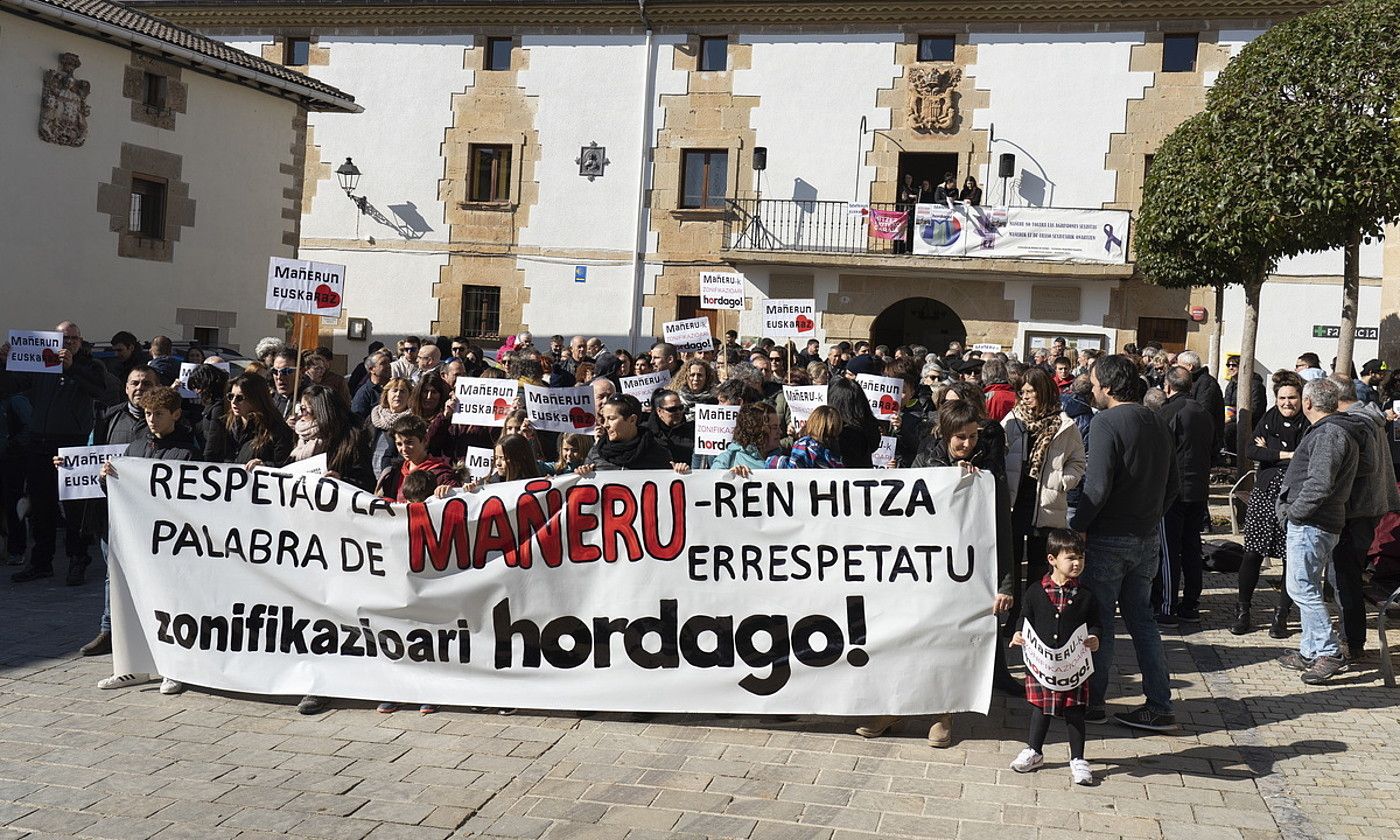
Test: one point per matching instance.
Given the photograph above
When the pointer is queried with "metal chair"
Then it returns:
(1239, 499)
(1387, 669)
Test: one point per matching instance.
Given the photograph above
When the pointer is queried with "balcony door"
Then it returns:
(928, 166)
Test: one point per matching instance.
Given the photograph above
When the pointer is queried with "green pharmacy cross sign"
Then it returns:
(1332, 331)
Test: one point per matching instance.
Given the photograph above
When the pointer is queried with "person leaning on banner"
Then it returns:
(960, 422)
(971, 193)
(624, 445)
(946, 192)
(254, 432)
(165, 438)
(64, 408)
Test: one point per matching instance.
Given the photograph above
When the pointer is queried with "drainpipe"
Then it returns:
(639, 267)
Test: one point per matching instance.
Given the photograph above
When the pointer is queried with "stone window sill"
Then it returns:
(490, 206)
(700, 214)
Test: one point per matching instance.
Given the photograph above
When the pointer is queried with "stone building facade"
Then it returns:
(843, 100)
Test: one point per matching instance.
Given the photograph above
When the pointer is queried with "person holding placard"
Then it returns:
(1055, 608)
(64, 408)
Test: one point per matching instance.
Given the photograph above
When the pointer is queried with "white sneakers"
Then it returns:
(126, 680)
(1028, 761)
(1079, 771)
(169, 686)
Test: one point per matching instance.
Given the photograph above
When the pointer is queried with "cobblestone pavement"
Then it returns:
(1260, 755)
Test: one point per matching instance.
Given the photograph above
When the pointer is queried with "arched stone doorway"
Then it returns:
(918, 320)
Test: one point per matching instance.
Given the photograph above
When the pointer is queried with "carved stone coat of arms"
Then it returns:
(932, 106)
(63, 110)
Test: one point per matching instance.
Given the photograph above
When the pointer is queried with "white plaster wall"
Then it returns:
(393, 289)
(823, 83)
(60, 255)
(1287, 313)
(587, 88)
(597, 306)
(405, 84)
(1055, 100)
(1330, 263)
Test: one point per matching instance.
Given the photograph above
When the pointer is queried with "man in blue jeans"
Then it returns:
(1132, 478)
(1313, 507)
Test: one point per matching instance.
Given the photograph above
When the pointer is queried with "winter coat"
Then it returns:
(63, 404)
(1373, 493)
(1257, 394)
(179, 445)
(1052, 626)
(1080, 412)
(642, 452)
(1000, 400)
(1320, 476)
(1194, 437)
(1281, 434)
(679, 439)
(935, 454)
(390, 483)
(857, 444)
(240, 446)
(1205, 389)
(808, 453)
(1062, 471)
(1131, 477)
(737, 455)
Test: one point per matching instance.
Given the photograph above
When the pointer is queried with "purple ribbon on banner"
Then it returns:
(1110, 240)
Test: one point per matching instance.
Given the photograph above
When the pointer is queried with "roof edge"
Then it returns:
(86, 24)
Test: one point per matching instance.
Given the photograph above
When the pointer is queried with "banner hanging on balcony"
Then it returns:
(1028, 233)
(836, 592)
(889, 224)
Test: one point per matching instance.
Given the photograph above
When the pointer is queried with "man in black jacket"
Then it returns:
(1181, 525)
(1131, 480)
(1205, 389)
(64, 407)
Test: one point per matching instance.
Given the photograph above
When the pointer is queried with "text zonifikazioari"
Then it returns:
(839, 592)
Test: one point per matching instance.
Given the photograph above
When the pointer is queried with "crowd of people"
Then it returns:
(1101, 462)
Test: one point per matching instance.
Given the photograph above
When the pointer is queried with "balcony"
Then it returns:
(1031, 240)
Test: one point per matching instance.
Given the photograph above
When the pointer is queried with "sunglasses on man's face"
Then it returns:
(283, 371)
(673, 409)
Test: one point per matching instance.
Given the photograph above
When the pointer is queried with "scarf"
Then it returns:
(309, 440)
(1042, 431)
(383, 418)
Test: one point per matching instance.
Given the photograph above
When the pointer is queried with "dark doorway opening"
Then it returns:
(928, 166)
(918, 320)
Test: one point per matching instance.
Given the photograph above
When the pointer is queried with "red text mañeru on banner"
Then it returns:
(844, 592)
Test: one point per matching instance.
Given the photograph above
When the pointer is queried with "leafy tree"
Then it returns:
(1203, 223)
(1310, 114)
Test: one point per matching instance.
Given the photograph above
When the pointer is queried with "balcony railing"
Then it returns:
(836, 227)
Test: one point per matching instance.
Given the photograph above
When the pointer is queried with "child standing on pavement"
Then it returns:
(1055, 607)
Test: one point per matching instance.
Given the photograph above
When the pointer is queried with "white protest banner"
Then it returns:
(79, 465)
(714, 427)
(1058, 669)
(479, 461)
(315, 465)
(884, 456)
(884, 393)
(836, 592)
(642, 387)
(1043, 233)
(182, 380)
(484, 402)
(689, 336)
(789, 318)
(801, 399)
(721, 290)
(35, 352)
(310, 288)
(560, 409)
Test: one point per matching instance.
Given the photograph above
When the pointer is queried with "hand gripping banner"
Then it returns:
(843, 592)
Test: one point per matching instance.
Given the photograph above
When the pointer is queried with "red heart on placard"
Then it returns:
(500, 408)
(51, 359)
(888, 404)
(326, 297)
(580, 418)
(805, 324)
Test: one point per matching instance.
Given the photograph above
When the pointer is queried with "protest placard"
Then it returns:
(305, 287)
(1059, 669)
(835, 592)
(789, 318)
(884, 455)
(714, 427)
(182, 380)
(35, 352)
(721, 290)
(479, 461)
(801, 399)
(689, 336)
(561, 409)
(642, 387)
(484, 402)
(78, 468)
(987, 348)
(885, 394)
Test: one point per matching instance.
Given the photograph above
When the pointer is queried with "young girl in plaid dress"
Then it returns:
(1056, 606)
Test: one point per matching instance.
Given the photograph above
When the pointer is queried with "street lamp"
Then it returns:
(349, 175)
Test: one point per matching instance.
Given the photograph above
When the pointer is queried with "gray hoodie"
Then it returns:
(1374, 493)
(1320, 476)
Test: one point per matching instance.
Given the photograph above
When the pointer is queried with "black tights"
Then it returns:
(1040, 727)
(1249, 579)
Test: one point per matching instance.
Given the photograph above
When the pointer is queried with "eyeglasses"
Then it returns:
(283, 371)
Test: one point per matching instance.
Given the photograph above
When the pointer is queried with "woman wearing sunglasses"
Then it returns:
(667, 424)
